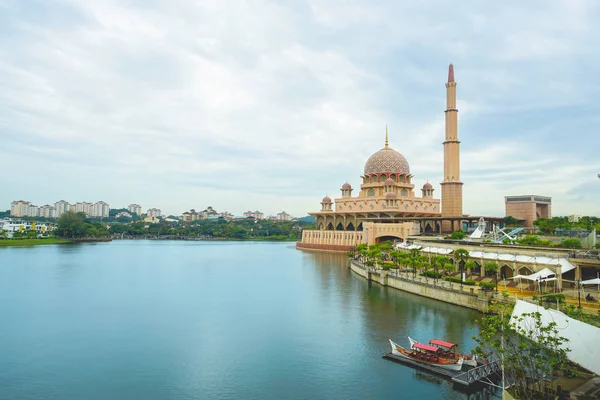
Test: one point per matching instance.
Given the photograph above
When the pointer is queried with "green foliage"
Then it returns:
(449, 268)
(432, 274)
(510, 221)
(554, 297)
(487, 286)
(457, 280)
(70, 225)
(571, 243)
(458, 235)
(528, 363)
(5, 214)
(578, 314)
(597, 246)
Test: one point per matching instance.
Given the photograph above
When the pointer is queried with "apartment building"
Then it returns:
(135, 209)
(153, 212)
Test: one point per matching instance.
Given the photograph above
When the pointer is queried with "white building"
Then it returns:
(135, 208)
(153, 212)
(19, 208)
(14, 225)
(61, 207)
(84, 207)
(47, 211)
(254, 214)
(123, 214)
(283, 216)
(100, 209)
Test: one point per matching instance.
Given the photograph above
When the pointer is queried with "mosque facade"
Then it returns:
(387, 206)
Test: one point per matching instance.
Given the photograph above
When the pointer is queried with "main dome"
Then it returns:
(387, 160)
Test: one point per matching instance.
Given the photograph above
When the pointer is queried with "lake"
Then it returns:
(209, 320)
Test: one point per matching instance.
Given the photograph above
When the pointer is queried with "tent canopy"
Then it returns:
(545, 275)
(595, 281)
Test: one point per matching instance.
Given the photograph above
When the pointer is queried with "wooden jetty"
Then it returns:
(465, 378)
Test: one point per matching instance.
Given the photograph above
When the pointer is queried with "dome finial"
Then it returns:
(386, 136)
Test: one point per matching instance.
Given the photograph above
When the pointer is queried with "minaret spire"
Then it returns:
(451, 185)
(386, 136)
(451, 73)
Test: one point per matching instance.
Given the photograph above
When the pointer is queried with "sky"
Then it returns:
(271, 105)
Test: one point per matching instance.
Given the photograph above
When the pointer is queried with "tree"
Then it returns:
(572, 243)
(71, 225)
(492, 267)
(470, 265)
(448, 268)
(462, 255)
(529, 350)
(458, 235)
(510, 221)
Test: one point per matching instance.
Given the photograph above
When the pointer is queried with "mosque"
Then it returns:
(387, 206)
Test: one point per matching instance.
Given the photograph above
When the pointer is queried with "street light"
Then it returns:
(579, 292)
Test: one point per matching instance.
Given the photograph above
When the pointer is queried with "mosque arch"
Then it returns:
(350, 226)
(404, 192)
(359, 227)
(506, 272)
(330, 226)
(524, 270)
(339, 227)
(371, 192)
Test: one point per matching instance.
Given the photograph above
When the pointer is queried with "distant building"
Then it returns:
(190, 216)
(574, 218)
(254, 214)
(135, 209)
(47, 211)
(528, 207)
(283, 216)
(226, 215)
(19, 208)
(150, 219)
(123, 214)
(100, 209)
(153, 212)
(84, 207)
(61, 207)
(13, 225)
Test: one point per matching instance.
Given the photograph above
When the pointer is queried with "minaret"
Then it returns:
(451, 186)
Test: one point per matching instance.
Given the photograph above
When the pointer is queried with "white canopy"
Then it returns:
(544, 274)
(595, 281)
(583, 338)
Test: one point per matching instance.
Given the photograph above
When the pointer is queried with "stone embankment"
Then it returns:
(472, 297)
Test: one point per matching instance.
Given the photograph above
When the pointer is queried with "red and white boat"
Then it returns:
(448, 350)
(428, 355)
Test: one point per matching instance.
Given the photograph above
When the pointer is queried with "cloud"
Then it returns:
(270, 105)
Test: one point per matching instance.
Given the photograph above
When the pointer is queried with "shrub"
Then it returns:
(432, 274)
(571, 243)
(487, 286)
(457, 280)
(370, 263)
(554, 297)
(457, 235)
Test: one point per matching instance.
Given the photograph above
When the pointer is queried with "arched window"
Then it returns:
(371, 192)
(404, 192)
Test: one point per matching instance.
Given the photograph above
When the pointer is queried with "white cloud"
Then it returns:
(271, 105)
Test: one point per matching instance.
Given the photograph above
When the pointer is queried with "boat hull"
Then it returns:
(452, 365)
(467, 360)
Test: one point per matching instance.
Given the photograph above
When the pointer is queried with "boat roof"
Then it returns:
(425, 347)
(442, 343)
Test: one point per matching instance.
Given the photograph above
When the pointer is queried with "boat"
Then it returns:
(448, 350)
(427, 355)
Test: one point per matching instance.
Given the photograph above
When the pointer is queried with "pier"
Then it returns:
(464, 378)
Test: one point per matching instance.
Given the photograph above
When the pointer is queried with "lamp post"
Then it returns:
(579, 292)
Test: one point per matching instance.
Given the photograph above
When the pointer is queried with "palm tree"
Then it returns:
(461, 255)
(415, 255)
(493, 267)
(448, 267)
(470, 265)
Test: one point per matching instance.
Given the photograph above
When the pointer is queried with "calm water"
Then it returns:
(205, 320)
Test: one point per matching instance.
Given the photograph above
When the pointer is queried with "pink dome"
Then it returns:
(346, 186)
(326, 199)
(389, 182)
(390, 195)
(427, 186)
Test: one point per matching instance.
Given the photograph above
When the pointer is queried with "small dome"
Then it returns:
(389, 182)
(326, 199)
(427, 186)
(346, 186)
(387, 160)
(390, 195)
